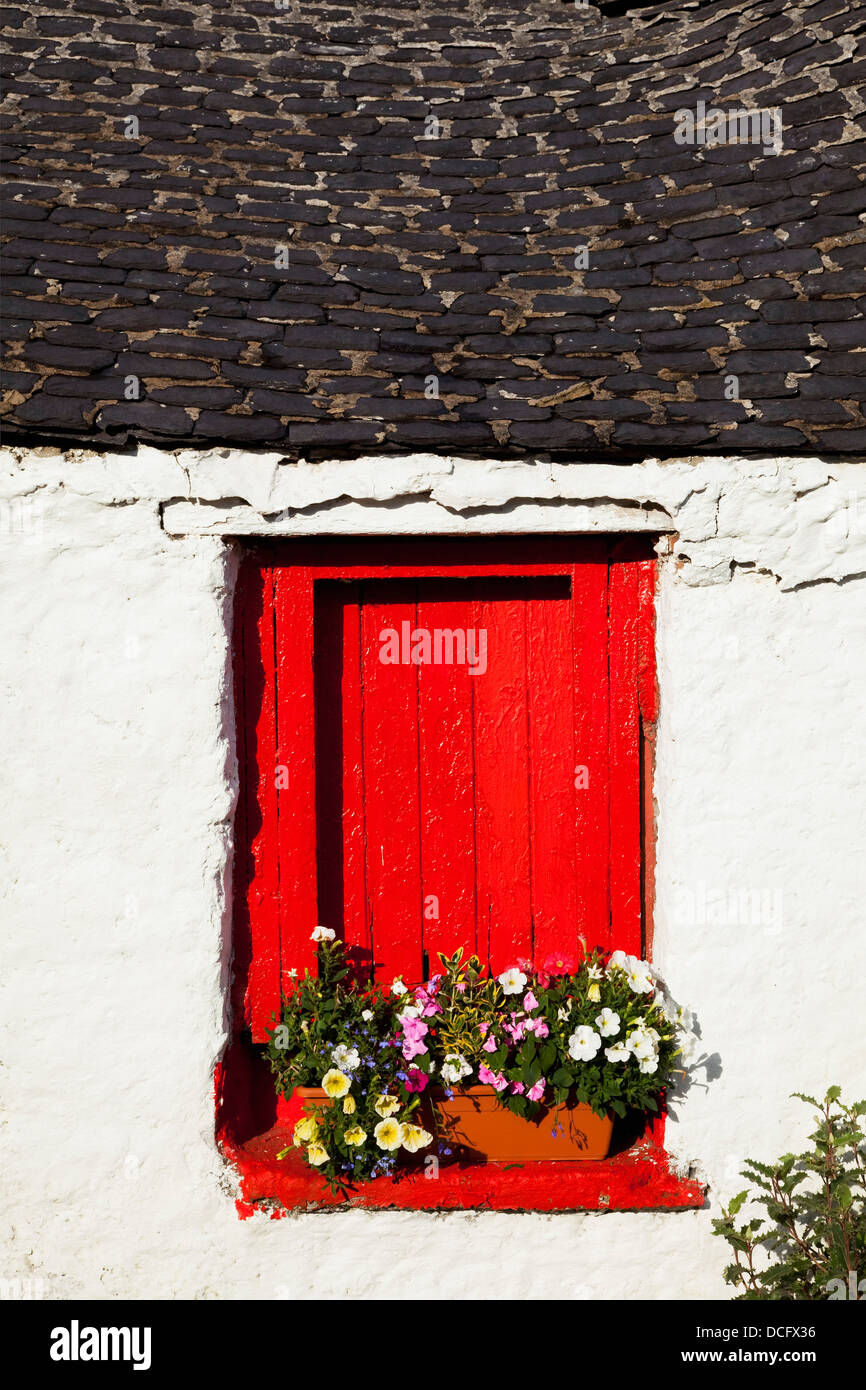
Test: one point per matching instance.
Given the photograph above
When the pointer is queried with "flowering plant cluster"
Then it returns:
(602, 1032)
(345, 1038)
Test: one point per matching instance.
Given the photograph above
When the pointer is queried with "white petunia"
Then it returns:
(346, 1058)
(366, 1015)
(639, 978)
(564, 1013)
(607, 1023)
(642, 1045)
(649, 1066)
(322, 934)
(455, 1068)
(398, 987)
(619, 961)
(583, 1044)
(618, 1053)
(409, 1012)
(513, 981)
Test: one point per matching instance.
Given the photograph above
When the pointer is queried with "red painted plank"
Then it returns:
(296, 807)
(263, 989)
(447, 776)
(591, 773)
(328, 670)
(415, 559)
(550, 691)
(502, 780)
(246, 670)
(625, 772)
(646, 579)
(356, 924)
(390, 732)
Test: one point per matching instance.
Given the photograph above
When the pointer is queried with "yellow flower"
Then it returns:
(594, 993)
(317, 1154)
(355, 1135)
(305, 1131)
(349, 1105)
(415, 1138)
(388, 1134)
(386, 1105)
(335, 1083)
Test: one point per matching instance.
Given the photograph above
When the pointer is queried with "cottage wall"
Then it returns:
(116, 582)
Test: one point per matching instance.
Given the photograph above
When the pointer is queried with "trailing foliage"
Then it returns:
(812, 1242)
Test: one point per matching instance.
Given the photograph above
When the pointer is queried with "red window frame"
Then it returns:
(276, 869)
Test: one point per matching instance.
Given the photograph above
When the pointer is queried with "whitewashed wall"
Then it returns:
(116, 824)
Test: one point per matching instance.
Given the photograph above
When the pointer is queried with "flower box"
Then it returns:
(530, 1065)
(479, 1128)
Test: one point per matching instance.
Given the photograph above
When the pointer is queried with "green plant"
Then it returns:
(342, 1035)
(814, 1232)
(599, 1031)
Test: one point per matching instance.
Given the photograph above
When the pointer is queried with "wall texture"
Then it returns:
(115, 589)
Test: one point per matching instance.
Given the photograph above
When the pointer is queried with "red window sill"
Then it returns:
(640, 1179)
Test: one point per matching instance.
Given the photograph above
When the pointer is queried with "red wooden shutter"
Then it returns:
(427, 806)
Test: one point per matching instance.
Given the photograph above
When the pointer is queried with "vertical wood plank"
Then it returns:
(447, 793)
(329, 720)
(550, 691)
(390, 732)
(296, 744)
(625, 761)
(648, 696)
(356, 923)
(502, 785)
(591, 743)
(263, 988)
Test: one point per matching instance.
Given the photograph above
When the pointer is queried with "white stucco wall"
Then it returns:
(119, 787)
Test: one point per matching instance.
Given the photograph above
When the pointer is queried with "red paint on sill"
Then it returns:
(639, 1179)
(253, 1126)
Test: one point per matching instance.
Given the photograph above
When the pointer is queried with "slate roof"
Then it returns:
(415, 255)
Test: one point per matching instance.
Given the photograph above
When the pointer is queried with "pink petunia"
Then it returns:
(538, 1027)
(491, 1078)
(517, 1088)
(529, 1001)
(416, 1079)
(413, 1028)
(490, 1045)
(537, 1091)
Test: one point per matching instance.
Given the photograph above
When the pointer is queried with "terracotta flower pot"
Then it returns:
(312, 1096)
(303, 1100)
(474, 1122)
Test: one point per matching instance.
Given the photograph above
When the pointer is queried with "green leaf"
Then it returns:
(736, 1203)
